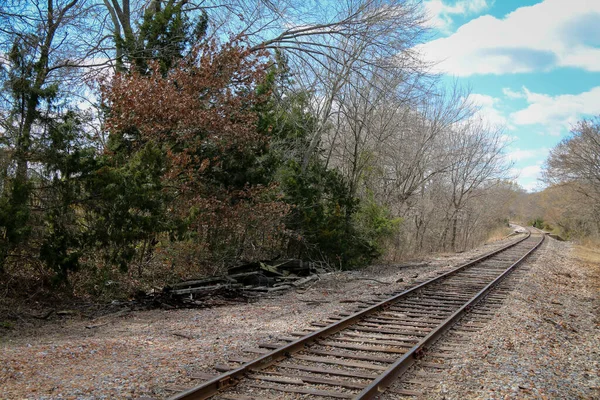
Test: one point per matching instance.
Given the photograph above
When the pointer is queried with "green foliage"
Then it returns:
(14, 217)
(7, 324)
(164, 35)
(24, 98)
(102, 204)
(226, 186)
(545, 225)
(376, 223)
(90, 203)
(67, 164)
(537, 223)
(322, 217)
(23, 72)
(129, 204)
(322, 208)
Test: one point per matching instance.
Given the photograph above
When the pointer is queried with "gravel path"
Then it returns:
(145, 353)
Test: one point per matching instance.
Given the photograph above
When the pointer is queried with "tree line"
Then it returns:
(570, 204)
(148, 141)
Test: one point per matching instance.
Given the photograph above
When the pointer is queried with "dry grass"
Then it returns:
(587, 252)
(589, 256)
(499, 234)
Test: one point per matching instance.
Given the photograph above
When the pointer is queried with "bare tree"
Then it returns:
(324, 45)
(573, 172)
(359, 32)
(417, 152)
(478, 157)
(342, 45)
(364, 123)
(44, 44)
(576, 160)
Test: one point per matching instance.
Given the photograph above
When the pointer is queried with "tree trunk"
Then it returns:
(454, 229)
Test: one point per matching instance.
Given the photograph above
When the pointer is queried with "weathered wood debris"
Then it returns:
(249, 280)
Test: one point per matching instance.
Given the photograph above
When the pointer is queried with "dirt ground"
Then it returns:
(146, 353)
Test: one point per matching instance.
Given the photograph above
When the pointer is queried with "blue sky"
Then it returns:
(532, 66)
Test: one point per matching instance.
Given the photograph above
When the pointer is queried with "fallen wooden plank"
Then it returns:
(279, 288)
(201, 289)
(304, 281)
(187, 284)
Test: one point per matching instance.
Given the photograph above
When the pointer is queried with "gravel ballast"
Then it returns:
(545, 341)
(536, 348)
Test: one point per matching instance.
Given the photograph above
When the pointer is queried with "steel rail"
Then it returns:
(402, 364)
(228, 379)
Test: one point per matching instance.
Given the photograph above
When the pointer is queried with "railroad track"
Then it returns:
(358, 355)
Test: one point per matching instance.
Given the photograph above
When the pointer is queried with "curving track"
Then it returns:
(356, 356)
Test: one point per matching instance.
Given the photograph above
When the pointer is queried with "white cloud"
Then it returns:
(528, 172)
(529, 175)
(441, 13)
(488, 109)
(553, 33)
(511, 94)
(522, 154)
(557, 112)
